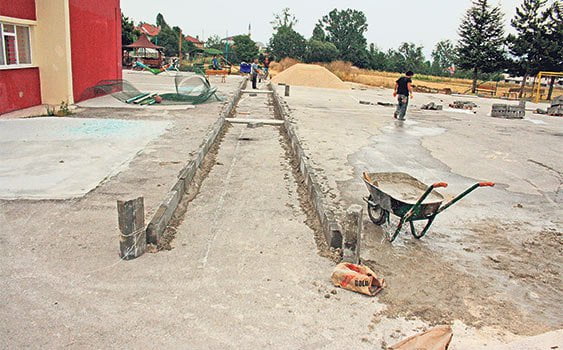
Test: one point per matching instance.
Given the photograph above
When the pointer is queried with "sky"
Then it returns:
(390, 22)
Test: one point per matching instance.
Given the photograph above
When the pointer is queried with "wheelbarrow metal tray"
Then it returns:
(397, 192)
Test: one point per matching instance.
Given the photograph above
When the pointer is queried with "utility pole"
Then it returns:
(180, 45)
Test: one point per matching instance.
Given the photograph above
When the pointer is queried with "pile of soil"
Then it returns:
(310, 75)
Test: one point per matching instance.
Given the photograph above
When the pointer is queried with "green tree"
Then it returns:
(413, 57)
(214, 42)
(286, 42)
(345, 29)
(320, 51)
(128, 32)
(554, 36)
(443, 57)
(377, 58)
(319, 33)
(245, 48)
(481, 44)
(284, 19)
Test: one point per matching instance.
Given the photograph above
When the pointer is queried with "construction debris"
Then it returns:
(463, 105)
(357, 278)
(432, 106)
(437, 338)
(556, 108)
(507, 111)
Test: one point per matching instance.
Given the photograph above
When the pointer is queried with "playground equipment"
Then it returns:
(537, 84)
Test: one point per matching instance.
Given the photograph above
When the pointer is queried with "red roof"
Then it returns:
(193, 40)
(143, 42)
(149, 29)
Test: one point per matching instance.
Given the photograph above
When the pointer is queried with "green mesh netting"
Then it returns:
(194, 89)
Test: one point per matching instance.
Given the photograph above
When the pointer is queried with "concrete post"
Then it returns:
(287, 90)
(352, 234)
(131, 217)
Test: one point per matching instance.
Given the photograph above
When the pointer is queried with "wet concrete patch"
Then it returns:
(59, 158)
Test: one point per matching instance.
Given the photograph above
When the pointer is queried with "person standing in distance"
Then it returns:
(403, 90)
(254, 71)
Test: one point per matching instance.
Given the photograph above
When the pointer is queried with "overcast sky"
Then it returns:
(390, 22)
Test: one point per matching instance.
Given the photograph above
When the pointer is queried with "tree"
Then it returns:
(413, 57)
(319, 33)
(245, 48)
(320, 51)
(481, 44)
(443, 57)
(128, 32)
(169, 38)
(554, 36)
(214, 42)
(345, 29)
(284, 19)
(528, 47)
(286, 42)
(377, 58)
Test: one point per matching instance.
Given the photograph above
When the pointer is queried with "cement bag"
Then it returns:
(437, 338)
(357, 278)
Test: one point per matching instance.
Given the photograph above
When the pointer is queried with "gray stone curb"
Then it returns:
(165, 211)
(330, 226)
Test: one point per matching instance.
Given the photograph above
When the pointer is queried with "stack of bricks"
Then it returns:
(507, 111)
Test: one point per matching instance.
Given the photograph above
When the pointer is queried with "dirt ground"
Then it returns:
(491, 260)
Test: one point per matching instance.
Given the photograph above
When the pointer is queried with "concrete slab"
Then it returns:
(484, 252)
(59, 158)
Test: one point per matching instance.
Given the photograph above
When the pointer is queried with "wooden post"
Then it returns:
(287, 90)
(133, 238)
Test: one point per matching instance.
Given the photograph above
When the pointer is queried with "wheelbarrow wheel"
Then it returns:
(420, 234)
(377, 214)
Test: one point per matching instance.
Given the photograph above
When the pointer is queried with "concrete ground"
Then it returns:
(60, 158)
(492, 260)
(58, 276)
(244, 270)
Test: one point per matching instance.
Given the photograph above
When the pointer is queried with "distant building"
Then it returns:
(52, 51)
(197, 43)
(148, 29)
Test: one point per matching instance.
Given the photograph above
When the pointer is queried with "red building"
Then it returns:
(197, 43)
(52, 51)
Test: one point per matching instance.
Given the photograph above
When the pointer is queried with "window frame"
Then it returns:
(3, 33)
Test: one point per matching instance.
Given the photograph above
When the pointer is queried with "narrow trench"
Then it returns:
(210, 161)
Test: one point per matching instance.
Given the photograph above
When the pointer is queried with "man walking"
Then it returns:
(403, 90)
(254, 71)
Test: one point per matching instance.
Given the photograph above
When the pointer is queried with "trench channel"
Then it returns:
(250, 174)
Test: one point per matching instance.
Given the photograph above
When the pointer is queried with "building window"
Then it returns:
(15, 44)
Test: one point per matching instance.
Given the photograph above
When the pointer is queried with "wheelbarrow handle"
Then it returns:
(465, 193)
(440, 184)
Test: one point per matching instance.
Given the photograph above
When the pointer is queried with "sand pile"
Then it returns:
(309, 75)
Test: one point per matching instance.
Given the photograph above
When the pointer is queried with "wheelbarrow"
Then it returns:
(407, 198)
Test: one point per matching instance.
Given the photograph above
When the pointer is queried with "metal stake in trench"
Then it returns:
(133, 237)
(287, 90)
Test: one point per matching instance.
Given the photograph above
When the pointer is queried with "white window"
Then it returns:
(15, 45)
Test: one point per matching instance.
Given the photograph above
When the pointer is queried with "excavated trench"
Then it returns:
(252, 107)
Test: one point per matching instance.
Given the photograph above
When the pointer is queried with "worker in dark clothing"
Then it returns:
(403, 90)
(254, 71)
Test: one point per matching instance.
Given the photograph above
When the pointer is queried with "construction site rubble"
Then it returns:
(432, 107)
(437, 338)
(507, 111)
(463, 105)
